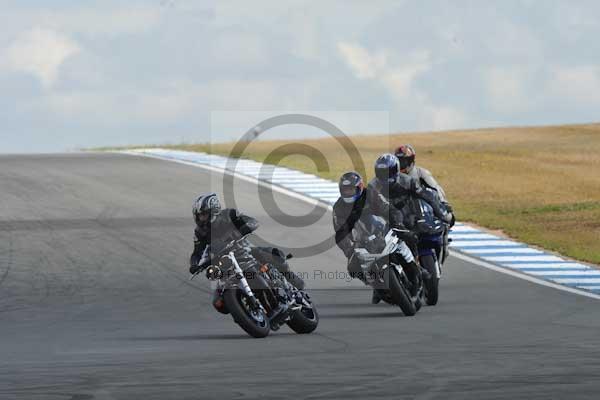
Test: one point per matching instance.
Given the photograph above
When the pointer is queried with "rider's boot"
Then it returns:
(375, 299)
(425, 275)
(412, 271)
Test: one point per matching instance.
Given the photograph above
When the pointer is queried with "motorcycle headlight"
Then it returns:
(225, 262)
(214, 273)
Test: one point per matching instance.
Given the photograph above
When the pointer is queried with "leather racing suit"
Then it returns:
(345, 218)
(425, 178)
(228, 225)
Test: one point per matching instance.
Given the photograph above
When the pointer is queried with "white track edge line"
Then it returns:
(246, 178)
(504, 270)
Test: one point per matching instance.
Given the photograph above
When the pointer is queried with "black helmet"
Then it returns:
(206, 208)
(406, 156)
(351, 186)
(387, 168)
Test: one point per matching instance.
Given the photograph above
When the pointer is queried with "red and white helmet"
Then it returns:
(406, 156)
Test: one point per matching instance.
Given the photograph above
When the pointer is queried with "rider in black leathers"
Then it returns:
(216, 227)
(353, 206)
(348, 210)
(392, 195)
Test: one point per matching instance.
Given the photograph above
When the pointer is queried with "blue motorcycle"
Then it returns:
(432, 250)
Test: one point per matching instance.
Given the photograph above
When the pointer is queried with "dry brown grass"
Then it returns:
(540, 185)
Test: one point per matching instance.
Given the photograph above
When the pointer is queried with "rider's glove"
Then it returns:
(194, 269)
(423, 227)
(409, 237)
(348, 252)
(202, 264)
(449, 218)
(448, 207)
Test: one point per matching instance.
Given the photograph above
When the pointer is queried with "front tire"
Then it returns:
(399, 293)
(432, 284)
(254, 323)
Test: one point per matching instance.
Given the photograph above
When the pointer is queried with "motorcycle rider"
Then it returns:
(216, 226)
(348, 210)
(406, 157)
(389, 196)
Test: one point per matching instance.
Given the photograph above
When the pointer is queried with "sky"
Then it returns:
(79, 74)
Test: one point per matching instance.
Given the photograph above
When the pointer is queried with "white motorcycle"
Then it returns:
(378, 257)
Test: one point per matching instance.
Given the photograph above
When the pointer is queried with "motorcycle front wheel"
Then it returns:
(399, 293)
(253, 322)
(432, 284)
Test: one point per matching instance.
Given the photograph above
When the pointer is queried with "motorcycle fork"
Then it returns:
(243, 283)
(438, 265)
(266, 293)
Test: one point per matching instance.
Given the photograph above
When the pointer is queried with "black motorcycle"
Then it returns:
(258, 296)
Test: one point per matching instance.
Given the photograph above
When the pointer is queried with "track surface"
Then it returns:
(95, 303)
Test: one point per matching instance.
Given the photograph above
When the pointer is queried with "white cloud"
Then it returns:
(40, 52)
(261, 94)
(507, 90)
(574, 20)
(443, 118)
(76, 104)
(400, 79)
(123, 20)
(364, 65)
(579, 84)
(516, 42)
(306, 35)
(93, 19)
(231, 50)
(172, 102)
(110, 63)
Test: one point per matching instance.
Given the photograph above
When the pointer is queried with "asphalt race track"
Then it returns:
(96, 303)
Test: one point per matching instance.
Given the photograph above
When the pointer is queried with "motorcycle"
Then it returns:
(375, 253)
(259, 297)
(432, 249)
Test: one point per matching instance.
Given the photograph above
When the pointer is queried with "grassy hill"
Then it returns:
(540, 185)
